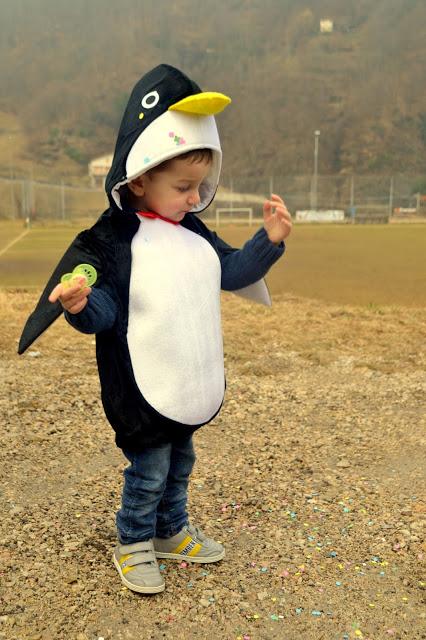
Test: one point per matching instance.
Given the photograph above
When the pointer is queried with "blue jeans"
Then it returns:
(155, 491)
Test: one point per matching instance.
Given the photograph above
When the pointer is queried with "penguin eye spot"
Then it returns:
(150, 100)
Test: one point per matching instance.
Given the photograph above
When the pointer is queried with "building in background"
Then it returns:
(326, 26)
(98, 170)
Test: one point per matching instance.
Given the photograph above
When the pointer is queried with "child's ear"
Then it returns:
(137, 186)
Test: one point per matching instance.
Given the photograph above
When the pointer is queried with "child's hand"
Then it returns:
(277, 220)
(72, 298)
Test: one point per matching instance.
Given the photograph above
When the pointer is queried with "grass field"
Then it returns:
(367, 265)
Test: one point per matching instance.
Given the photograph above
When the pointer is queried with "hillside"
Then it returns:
(66, 70)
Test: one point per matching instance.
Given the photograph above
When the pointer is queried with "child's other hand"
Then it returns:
(73, 299)
(277, 220)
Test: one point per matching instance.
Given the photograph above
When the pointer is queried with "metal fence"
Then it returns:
(239, 199)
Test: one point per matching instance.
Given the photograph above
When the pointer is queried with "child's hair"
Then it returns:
(195, 156)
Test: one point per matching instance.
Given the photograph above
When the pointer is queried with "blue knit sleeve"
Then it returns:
(245, 266)
(98, 315)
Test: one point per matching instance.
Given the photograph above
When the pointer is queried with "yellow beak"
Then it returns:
(207, 103)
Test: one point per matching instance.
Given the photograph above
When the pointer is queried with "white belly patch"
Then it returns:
(174, 330)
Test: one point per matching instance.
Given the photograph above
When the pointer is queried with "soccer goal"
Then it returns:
(234, 214)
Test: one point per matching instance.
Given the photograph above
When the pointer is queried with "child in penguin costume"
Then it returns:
(155, 310)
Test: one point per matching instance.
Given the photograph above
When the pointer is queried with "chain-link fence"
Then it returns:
(46, 201)
(361, 198)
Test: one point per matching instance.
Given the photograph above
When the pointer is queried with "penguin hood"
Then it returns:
(167, 115)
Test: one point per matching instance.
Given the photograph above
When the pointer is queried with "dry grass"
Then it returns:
(312, 475)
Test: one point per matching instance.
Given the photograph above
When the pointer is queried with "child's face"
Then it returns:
(174, 191)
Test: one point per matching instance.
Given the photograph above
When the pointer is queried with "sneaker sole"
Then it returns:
(200, 559)
(135, 587)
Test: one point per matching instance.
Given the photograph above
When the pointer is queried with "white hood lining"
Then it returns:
(170, 135)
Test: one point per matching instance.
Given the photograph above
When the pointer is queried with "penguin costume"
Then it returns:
(155, 308)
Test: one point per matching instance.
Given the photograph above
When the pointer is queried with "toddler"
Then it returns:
(155, 311)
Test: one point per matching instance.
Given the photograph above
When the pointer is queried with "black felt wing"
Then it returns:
(82, 250)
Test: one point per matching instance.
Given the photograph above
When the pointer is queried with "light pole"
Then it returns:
(314, 190)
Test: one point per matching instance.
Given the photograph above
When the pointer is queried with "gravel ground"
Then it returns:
(312, 476)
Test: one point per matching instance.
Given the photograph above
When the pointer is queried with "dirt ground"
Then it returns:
(312, 476)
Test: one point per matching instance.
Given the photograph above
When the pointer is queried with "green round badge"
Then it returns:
(86, 270)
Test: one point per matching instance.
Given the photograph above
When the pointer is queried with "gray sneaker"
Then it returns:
(138, 568)
(189, 544)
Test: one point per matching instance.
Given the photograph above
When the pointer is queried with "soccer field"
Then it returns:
(365, 264)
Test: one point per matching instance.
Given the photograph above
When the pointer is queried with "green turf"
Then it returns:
(28, 262)
(351, 264)
(9, 231)
(368, 265)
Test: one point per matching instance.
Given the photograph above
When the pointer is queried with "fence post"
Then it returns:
(23, 199)
(62, 200)
(31, 194)
(391, 197)
(12, 198)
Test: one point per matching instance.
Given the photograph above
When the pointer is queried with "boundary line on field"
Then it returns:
(7, 247)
